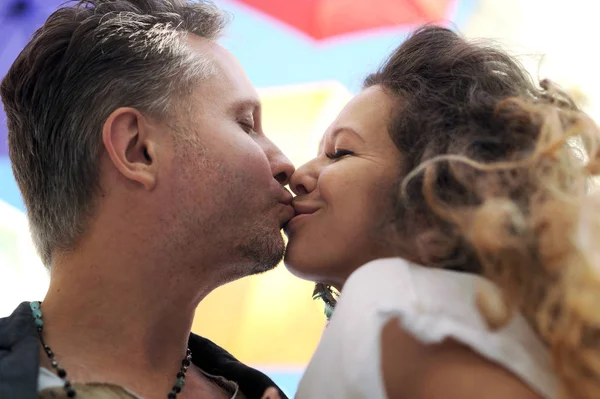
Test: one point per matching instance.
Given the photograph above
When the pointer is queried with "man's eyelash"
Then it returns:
(247, 127)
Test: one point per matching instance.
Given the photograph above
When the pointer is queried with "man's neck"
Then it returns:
(119, 318)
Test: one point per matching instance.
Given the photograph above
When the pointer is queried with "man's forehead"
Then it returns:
(229, 81)
(223, 61)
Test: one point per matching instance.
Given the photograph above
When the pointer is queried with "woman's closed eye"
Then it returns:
(339, 153)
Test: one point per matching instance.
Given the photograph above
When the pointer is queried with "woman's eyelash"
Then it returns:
(339, 154)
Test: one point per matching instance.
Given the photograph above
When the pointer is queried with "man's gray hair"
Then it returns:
(87, 60)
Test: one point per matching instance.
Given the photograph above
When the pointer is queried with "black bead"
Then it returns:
(49, 353)
(176, 389)
(186, 362)
(180, 374)
(171, 395)
(67, 384)
(61, 373)
(71, 393)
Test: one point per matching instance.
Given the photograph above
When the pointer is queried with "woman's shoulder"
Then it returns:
(348, 358)
(430, 305)
(434, 305)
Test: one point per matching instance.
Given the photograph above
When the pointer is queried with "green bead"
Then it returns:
(37, 313)
(39, 323)
(34, 305)
(180, 382)
(328, 311)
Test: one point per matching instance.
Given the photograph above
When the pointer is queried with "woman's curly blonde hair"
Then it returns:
(498, 184)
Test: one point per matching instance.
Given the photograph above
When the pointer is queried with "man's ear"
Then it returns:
(131, 145)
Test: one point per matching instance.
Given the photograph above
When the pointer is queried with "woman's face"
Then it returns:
(344, 196)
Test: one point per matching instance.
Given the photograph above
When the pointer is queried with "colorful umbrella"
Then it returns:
(321, 19)
(18, 20)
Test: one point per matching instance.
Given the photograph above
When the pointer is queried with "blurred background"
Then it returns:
(307, 57)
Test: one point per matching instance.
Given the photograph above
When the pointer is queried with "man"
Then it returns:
(136, 141)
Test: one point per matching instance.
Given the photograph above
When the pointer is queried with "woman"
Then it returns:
(448, 207)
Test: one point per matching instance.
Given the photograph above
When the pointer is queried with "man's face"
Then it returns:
(225, 178)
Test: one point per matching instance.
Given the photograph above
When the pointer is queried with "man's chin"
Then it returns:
(267, 263)
(259, 269)
(264, 254)
(250, 268)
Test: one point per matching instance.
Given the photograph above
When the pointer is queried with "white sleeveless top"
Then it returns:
(432, 304)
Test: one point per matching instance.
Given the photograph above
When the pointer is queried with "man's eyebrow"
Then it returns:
(252, 104)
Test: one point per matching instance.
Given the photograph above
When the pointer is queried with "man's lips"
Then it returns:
(288, 212)
(285, 201)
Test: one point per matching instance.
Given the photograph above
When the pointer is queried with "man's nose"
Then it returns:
(281, 167)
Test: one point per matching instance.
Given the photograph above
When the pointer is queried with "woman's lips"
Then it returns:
(296, 220)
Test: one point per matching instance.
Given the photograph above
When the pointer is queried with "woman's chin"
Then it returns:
(299, 269)
(311, 272)
(302, 269)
